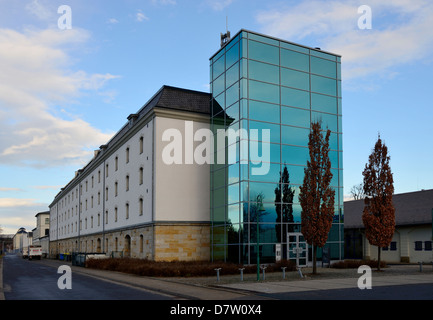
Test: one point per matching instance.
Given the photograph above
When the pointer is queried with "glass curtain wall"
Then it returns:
(258, 82)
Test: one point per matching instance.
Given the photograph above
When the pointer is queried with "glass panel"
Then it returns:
(329, 121)
(295, 136)
(233, 213)
(296, 175)
(218, 178)
(272, 176)
(323, 67)
(258, 150)
(218, 67)
(274, 130)
(296, 117)
(333, 141)
(264, 111)
(218, 103)
(294, 47)
(264, 190)
(232, 75)
(244, 48)
(295, 60)
(295, 79)
(263, 52)
(218, 85)
(294, 155)
(295, 98)
(244, 108)
(219, 214)
(264, 91)
(232, 114)
(264, 72)
(232, 94)
(233, 174)
(323, 103)
(323, 55)
(333, 156)
(232, 55)
(263, 39)
(323, 85)
(218, 235)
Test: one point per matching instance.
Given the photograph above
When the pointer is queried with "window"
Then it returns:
(106, 216)
(418, 245)
(116, 163)
(127, 183)
(115, 188)
(141, 243)
(141, 175)
(106, 170)
(141, 144)
(127, 211)
(127, 155)
(427, 245)
(141, 206)
(115, 214)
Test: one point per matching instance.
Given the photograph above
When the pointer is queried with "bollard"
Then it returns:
(300, 272)
(264, 268)
(218, 273)
(420, 266)
(284, 272)
(242, 273)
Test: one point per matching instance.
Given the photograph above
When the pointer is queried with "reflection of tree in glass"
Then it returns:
(284, 204)
(257, 210)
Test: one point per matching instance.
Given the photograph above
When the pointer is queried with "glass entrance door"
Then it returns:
(297, 249)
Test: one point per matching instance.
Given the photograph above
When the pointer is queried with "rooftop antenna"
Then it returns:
(225, 38)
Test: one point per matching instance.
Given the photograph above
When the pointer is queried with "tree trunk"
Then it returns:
(314, 259)
(378, 258)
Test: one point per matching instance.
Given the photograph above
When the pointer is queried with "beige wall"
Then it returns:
(182, 191)
(405, 238)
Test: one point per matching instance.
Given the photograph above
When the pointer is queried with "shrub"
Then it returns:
(178, 268)
(352, 264)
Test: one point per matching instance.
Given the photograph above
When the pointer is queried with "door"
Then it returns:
(297, 249)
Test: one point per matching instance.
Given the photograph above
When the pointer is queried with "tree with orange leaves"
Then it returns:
(379, 213)
(316, 195)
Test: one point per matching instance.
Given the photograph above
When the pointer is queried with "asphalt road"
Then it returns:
(33, 280)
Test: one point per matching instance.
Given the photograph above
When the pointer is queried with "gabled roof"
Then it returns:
(413, 208)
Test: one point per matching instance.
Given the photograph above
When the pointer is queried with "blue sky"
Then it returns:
(63, 93)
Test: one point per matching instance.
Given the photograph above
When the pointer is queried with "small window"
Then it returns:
(127, 155)
(393, 246)
(428, 246)
(418, 245)
(141, 144)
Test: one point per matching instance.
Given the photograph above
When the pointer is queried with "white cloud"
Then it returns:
(113, 21)
(219, 5)
(36, 79)
(164, 2)
(401, 32)
(140, 16)
(40, 11)
(14, 202)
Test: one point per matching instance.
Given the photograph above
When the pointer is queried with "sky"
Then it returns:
(69, 79)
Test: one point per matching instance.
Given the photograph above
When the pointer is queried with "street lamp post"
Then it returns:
(260, 208)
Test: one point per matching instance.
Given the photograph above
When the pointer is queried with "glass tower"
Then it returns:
(259, 82)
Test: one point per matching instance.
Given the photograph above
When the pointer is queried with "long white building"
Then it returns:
(127, 201)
